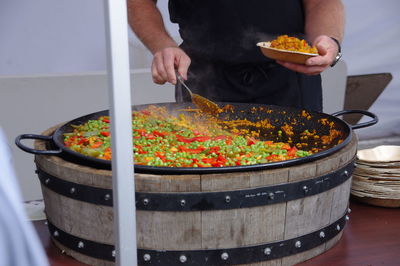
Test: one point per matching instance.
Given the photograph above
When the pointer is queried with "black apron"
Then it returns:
(220, 37)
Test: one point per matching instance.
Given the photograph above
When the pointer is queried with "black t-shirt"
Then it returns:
(228, 30)
(220, 36)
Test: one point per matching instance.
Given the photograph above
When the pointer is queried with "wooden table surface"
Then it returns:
(371, 237)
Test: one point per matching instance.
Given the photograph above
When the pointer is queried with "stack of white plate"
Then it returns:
(376, 178)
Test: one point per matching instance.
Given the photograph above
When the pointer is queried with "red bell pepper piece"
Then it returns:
(145, 112)
(197, 150)
(286, 146)
(140, 149)
(105, 133)
(292, 151)
(83, 140)
(182, 138)
(200, 138)
(250, 141)
(215, 149)
(220, 137)
(96, 144)
(141, 131)
(159, 134)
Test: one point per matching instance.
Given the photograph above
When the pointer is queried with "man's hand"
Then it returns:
(166, 61)
(327, 49)
(146, 21)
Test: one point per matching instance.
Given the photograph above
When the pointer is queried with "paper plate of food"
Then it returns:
(289, 49)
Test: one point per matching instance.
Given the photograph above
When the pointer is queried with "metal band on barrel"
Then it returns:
(230, 256)
(202, 201)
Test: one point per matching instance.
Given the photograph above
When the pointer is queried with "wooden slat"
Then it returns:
(333, 241)
(340, 200)
(277, 262)
(269, 177)
(167, 183)
(294, 259)
(306, 215)
(303, 171)
(81, 219)
(240, 227)
(169, 230)
(229, 181)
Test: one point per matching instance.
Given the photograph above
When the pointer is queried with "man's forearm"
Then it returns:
(146, 21)
(324, 17)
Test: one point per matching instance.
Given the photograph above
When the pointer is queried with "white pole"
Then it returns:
(121, 132)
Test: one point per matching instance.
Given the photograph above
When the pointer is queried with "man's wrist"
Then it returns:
(339, 53)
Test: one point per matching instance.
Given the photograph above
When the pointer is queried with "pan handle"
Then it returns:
(361, 125)
(33, 151)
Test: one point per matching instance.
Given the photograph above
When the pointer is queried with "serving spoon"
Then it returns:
(201, 102)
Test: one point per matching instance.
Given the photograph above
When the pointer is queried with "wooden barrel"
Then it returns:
(279, 216)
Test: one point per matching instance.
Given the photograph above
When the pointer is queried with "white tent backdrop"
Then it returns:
(45, 36)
